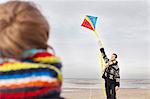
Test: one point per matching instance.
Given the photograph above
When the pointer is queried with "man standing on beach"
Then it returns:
(111, 74)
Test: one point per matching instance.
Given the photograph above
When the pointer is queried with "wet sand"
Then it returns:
(123, 93)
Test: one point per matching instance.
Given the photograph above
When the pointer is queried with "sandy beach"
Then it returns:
(123, 93)
(91, 89)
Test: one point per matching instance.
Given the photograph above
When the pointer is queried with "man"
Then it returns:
(111, 74)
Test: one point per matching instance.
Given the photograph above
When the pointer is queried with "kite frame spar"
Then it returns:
(90, 23)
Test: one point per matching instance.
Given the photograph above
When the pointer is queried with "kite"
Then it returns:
(90, 23)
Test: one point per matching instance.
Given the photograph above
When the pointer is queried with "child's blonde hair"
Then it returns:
(22, 27)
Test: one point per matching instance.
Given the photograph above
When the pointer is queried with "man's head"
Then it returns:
(113, 57)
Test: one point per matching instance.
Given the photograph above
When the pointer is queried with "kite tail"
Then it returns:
(98, 38)
(102, 65)
(97, 35)
(101, 61)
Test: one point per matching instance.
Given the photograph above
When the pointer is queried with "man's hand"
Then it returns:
(116, 88)
(109, 63)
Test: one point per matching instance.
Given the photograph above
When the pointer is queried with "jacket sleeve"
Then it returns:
(104, 55)
(117, 76)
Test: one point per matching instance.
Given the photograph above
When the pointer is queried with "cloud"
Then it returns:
(123, 25)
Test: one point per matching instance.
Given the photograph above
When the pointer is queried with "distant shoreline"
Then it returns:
(97, 88)
(101, 78)
(96, 84)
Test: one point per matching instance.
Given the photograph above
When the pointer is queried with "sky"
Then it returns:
(122, 24)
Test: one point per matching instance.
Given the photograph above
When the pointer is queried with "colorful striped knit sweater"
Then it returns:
(36, 76)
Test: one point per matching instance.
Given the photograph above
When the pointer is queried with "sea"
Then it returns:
(97, 84)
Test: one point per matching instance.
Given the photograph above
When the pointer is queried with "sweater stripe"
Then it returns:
(25, 74)
(37, 83)
(36, 75)
(27, 94)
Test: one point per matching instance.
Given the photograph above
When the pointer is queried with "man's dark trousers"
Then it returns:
(110, 89)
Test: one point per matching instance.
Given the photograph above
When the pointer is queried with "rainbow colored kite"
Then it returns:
(90, 23)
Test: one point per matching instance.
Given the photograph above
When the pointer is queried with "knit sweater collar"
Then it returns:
(28, 54)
